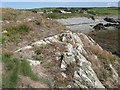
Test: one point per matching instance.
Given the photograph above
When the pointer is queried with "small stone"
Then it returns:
(69, 54)
(64, 75)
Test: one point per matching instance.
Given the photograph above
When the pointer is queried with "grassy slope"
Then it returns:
(108, 39)
(14, 67)
(67, 15)
(105, 11)
(18, 33)
(21, 32)
(91, 12)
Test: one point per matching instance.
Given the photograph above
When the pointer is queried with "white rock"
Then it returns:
(39, 43)
(18, 21)
(64, 75)
(63, 65)
(69, 48)
(29, 19)
(68, 86)
(114, 73)
(77, 38)
(24, 48)
(4, 32)
(33, 62)
(53, 39)
(7, 21)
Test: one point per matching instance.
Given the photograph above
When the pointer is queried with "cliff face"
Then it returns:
(72, 60)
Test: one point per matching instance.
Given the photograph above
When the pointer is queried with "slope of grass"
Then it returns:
(13, 68)
(9, 14)
(10, 80)
(27, 71)
(90, 11)
(108, 39)
(15, 33)
(65, 15)
(104, 11)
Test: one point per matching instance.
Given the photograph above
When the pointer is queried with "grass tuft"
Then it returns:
(13, 66)
(27, 71)
(10, 80)
(15, 33)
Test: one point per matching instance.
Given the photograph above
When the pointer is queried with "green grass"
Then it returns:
(113, 59)
(10, 80)
(9, 62)
(16, 33)
(0, 39)
(91, 11)
(27, 71)
(104, 11)
(9, 16)
(23, 28)
(13, 68)
(62, 15)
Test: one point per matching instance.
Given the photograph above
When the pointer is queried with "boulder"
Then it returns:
(116, 53)
(110, 20)
(99, 26)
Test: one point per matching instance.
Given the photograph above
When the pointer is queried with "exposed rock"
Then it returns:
(64, 75)
(24, 48)
(4, 32)
(34, 11)
(110, 24)
(79, 62)
(99, 26)
(33, 62)
(110, 20)
(114, 25)
(117, 53)
(114, 74)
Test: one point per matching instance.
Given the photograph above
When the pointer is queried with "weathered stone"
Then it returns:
(69, 48)
(33, 62)
(99, 26)
(64, 75)
(110, 20)
(80, 55)
(63, 65)
(114, 73)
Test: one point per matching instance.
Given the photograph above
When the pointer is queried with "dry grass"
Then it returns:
(52, 66)
(108, 39)
(39, 28)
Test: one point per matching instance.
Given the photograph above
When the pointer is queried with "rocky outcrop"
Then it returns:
(110, 24)
(99, 26)
(110, 20)
(80, 62)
